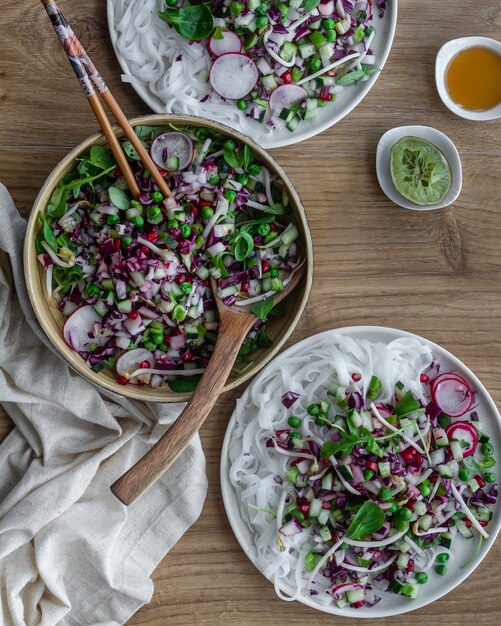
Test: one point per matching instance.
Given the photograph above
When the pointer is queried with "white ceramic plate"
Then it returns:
(441, 141)
(437, 586)
(444, 56)
(329, 115)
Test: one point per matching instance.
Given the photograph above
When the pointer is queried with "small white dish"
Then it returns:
(444, 56)
(441, 141)
(245, 532)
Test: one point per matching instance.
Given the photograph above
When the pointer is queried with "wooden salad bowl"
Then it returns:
(51, 319)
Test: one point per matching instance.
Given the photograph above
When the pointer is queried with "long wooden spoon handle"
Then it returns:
(167, 449)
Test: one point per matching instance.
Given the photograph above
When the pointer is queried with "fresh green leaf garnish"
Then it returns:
(406, 405)
(263, 308)
(242, 246)
(101, 157)
(57, 202)
(309, 5)
(218, 34)
(368, 519)
(144, 132)
(191, 22)
(48, 233)
(355, 75)
(184, 384)
(130, 151)
(232, 158)
(247, 160)
(119, 198)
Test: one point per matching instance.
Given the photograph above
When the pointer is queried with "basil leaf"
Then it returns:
(309, 5)
(184, 384)
(368, 519)
(101, 157)
(262, 309)
(243, 246)
(191, 22)
(119, 198)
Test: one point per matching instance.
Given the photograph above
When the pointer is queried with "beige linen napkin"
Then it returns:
(70, 552)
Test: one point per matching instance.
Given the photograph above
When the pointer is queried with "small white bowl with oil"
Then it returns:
(468, 77)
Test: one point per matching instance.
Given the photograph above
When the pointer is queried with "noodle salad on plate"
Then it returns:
(278, 71)
(359, 474)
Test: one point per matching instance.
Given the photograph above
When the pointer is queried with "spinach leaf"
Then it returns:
(119, 198)
(48, 233)
(101, 157)
(406, 405)
(232, 158)
(243, 246)
(184, 384)
(263, 308)
(368, 519)
(89, 179)
(144, 132)
(57, 202)
(191, 22)
(130, 151)
(309, 5)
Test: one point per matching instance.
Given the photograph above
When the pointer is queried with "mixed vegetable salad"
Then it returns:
(384, 490)
(280, 61)
(131, 277)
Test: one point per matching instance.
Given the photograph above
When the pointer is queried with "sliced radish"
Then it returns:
(172, 145)
(229, 43)
(79, 326)
(286, 95)
(464, 431)
(130, 361)
(383, 410)
(453, 396)
(444, 376)
(233, 75)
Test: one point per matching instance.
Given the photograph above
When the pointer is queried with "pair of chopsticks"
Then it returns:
(91, 80)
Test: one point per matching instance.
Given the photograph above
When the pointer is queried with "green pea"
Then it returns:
(157, 196)
(185, 230)
(294, 421)
(254, 169)
(149, 345)
(186, 287)
(157, 338)
(178, 313)
(385, 494)
(284, 9)
(263, 229)
(421, 578)
(230, 195)
(112, 219)
(138, 221)
(321, 419)
(399, 523)
(262, 9)
(163, 347)
(490, 477)
(229, 145)
(243, 179)
(154, 211)
(296, 435)
(274, 272)
(331, 36)
(171, 3)
(261, 21)
(315, 64)
(487, 449)
(214, 180)
(328, 24)
(489, 461)
(464, 475)
(242, 105)
(393, 506)
(126, 241)
(443, 557)
(368, 474)
(313, 409)
(207, 212)
(298, 515)
(172, 224)
(404, 513)
(424, 489)
(441, 570)
(199, 242)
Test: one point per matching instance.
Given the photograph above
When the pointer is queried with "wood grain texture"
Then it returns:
(436, 274)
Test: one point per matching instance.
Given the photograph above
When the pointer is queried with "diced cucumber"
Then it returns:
(269, 82)
(341, 603)
(345, 472)
(396, 586)
(445, 471)
(326, 81)
(410, 590)
(288, 51)
(315, 25)
(253, 4)
(367, 420)
(323, 518)
(356, 419)
(293, 474)
(483, 514)
(384, 469)
(399, 390)
(124, 306)
(473, 485)
(191, 331)
(446, 540)
(310, 115)
(425, 522)
(326, 51)
(290, 236)
(311, 104)
(463, 529)
(355, 595)
(100, 308)
(403, 561)
(284, 114)
(420, 508)
(292, 125)
(306, 50)
(202, 272)
(456, 449)
(327, 480)
(483, 438)
(231, 290)
(315, 507)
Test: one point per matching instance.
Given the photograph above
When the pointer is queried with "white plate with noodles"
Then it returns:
(333, 532)
(173, 75)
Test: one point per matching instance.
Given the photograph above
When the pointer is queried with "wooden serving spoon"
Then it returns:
(234, 324)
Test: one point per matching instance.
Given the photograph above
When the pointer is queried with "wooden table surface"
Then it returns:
(437, 274)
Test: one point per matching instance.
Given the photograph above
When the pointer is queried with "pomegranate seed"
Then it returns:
(326, 505)
(433, 478)
(144, 364)
(407, 456)
(205, 203)
(467, 522)
(480, 480)
(122, 380)
(326, 461)
(359, 604)
(232, 170)
(122, 265)
(265, 266)
(304, 508)
(376, 554)
(424, 379)
(211, 167)
(356, 377)
(118, 172)
(327, 97)
(371, 466)
(244, 287)
(163, 173)
(133, 315)
(286, 77)
(167, 339)
(410, 565)
(418, 459)
(151, 236)
(330, 73)
(117, 244)
(144, 249)
(273, 227)
(194, 210)
(187, 357)
(204, 360)
(410, 504)
(483, 522)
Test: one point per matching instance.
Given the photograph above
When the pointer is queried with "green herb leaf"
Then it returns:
(247, 157)
(243, 246)
(184, 384)
(263, 308)
(85, 181)
(309, 5)
(101, 157)
(48, 233)
(275, 209)
(191, 22)
(355, 75)
(130, 151)
(406, 405)
(232, 158)
(67, 276)
(119, 198)
(218, 33)
(368, 519)
(144, 132)
(57, 202)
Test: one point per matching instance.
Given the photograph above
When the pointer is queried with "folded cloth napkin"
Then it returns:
(70, 552)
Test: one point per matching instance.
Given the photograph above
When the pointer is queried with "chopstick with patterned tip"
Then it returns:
(91, 80)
